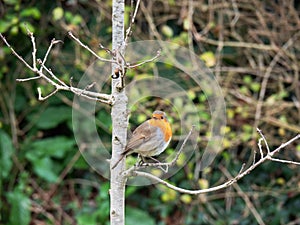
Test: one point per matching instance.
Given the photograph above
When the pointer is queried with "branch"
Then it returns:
(53, 42)
(201, 38)
(90, 50)
(267, 75)
(15, 53)
(132, 19)
(241, 174)
(146, 61)
(129, 172)
(53, 79)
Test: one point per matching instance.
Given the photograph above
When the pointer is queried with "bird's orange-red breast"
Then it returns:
(151, 138)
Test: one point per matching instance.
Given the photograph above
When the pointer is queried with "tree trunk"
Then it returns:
(119, 123)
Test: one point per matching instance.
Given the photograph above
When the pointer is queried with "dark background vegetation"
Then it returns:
(45, 180)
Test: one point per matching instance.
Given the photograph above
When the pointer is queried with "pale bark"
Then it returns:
(119, 123)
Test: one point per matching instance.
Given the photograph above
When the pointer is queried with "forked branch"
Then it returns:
(138, 166)
(264, 157)
(50, 77)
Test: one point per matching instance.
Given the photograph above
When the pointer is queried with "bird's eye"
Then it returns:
(162, 117)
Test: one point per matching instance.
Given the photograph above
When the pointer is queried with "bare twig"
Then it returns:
(41, 98)
(132, 19)
(240, 175)
(268, 74)
(236, 44)
(16, 54)
(264, 139)
(159, 164)
(51, 73)
(246, 198)
(28, 79)
(146, 61)
(33, 47)
(236, 13)
(284, 161)
(55, 81)
(53, 42)
(90, 50)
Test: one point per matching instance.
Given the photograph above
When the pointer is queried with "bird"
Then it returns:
(150, 138)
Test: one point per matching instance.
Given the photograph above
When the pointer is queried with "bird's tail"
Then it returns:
(122, 156)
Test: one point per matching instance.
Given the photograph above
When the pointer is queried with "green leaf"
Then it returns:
(137, 216)
(11, 2)
(4, 26)
(14, 30)
(77, 19)
(85, 219)
(186, 24)
(105, 118)
(167, 31)
(31, 12)
(20, 208)
(6, 151)
(45, 169)
(81, 164)
(53, 116)
(130, 190)
(41, 151)
(57, 13)
(30, 27)
(51, 147)
(247, 79)
(255, 86)
(209, 58)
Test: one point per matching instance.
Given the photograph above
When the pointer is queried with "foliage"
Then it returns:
(44, 180)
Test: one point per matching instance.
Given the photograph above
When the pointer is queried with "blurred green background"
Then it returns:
(45, 180)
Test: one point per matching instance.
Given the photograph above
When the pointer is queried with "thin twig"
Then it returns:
(90, 50)
(41, 98)
(159, 164)
(248, 202)
(33, 46)
(284, 161)
(16, 54)
(103, 98)
(226, 184)
(53, 42)
(146, 61)
(28, 79)
(132, 19)
(268, 74)
(52, 74)
(260, 147)
(236, 44)
(264, 139)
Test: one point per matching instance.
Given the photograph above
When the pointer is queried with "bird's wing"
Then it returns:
(141, 134)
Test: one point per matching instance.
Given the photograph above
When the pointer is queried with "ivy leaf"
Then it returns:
(45, 169)
(6, 151)
(51, 147)
(52, 117)
(40, 155)
(20, 208)
(31, 12)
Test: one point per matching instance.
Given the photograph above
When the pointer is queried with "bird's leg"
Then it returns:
(140, 161)
(155, 160)
(143, 160)
(160, 167)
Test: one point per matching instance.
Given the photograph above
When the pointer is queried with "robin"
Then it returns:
(150, 138)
